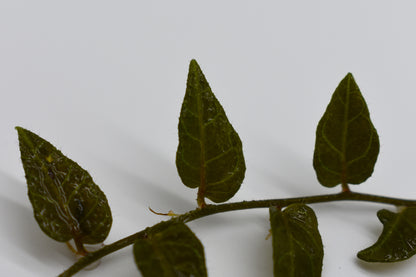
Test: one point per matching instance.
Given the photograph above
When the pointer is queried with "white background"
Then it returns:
(104, 82)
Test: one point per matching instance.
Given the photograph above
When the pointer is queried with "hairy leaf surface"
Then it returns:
(67, 204)
(397, 242)
(297, 244)
(347, 143)
(173, 252)
(210, 155)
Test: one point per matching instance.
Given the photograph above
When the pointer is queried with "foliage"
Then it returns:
(297, 244)
(67, 204)
(397, 242)
(210, 154)
(173, 251)
(347, 143)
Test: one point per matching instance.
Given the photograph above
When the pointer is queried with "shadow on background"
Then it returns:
(384, 269)
(20, 229)
(140, 172)
(284, 170)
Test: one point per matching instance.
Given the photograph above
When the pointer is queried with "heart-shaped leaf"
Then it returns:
(397, 242)
(172, 252)
(67, 204)
(210, 155)
(347, 143)
(297, 244)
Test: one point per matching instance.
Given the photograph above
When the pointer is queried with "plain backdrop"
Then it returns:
(104, 82)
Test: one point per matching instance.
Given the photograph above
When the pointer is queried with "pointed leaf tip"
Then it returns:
(210, 155)
(193, 62)
(347, 144)
(67, 204)
(397, 241)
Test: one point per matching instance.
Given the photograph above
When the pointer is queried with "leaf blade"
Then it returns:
(66, 202)
(347, 144)
(297, 244)
(209, 155)
(172, 252)
(397, 241)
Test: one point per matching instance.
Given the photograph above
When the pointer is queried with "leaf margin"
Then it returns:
(149, 252)
(283, 224)
(77, 229)
(390, 220)
(341, 173)
(201, 99)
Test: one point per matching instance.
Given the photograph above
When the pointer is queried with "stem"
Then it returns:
(345, 188)
(220, 208)
(80, 247)
(201, 197)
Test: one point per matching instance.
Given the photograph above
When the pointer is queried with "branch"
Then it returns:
(227, 207)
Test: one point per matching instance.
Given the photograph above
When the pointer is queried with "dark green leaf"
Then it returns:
(66, 202)
(297, 244)
(397, 242)
(210, 155)
(347, 144)
(173, 252)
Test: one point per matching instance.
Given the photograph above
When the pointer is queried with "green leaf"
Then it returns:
(397, 242)
(174, 251)
(347, 143)
(67, 204)
(210, 155)
(297, 244)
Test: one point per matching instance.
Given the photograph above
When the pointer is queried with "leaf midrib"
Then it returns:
(57, 201)
(202, 140)
(291, 244)
(345, 134)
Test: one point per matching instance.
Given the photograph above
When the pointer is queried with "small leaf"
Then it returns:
(297, 244)
(347, 143)
(67, 204)
(174, 251)
(397, 242)
(210, 155)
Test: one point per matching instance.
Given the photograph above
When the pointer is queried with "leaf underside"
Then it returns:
(67, 204)
(210, 155)
(347, 143)
(173, 252)
(397, 242)
(297, 244)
